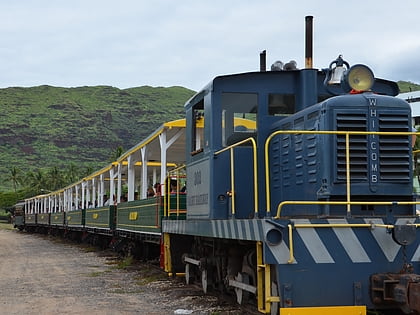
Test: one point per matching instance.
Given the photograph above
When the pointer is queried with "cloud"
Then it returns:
(130, 43)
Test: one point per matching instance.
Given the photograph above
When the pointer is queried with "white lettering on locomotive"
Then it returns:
(373, 157)
(373, 143)
(372, 101)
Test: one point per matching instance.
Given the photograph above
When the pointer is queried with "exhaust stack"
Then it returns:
(263, 63)
(308, 41)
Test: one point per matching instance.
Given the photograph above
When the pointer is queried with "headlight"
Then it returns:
(358, 78)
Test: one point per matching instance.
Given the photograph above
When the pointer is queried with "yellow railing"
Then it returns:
(264, 294)
(176, 173)
(348, 201)
(232, 171)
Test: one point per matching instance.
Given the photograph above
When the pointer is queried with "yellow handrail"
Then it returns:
(348, 173)
(167, 207)
(264, 294)
(232, 165)
(347, 203)
(232, 181)
(347, 134)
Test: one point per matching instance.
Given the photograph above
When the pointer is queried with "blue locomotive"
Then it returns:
(298, 193)
(311, 210)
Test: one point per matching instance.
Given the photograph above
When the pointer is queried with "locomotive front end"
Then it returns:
(356, 144)
(341, 187)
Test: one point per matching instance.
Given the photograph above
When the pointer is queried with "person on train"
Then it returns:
(150, 192)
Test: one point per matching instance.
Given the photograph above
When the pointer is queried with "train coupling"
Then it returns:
(396, 290)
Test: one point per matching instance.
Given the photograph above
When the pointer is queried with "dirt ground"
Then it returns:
(44, 275)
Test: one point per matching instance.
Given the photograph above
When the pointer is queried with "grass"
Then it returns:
(126, 262)
(149, 274)
(6, 226)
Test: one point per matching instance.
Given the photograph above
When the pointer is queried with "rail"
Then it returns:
(232, 170)
(348, 203)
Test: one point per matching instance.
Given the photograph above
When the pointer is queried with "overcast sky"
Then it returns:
(186, 43)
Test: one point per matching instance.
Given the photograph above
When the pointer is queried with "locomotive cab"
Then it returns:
(237, 111)
(224, 185)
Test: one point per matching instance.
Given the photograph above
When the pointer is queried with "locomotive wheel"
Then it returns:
(242, 295)
(204, 282)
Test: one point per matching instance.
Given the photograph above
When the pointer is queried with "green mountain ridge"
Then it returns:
(407, 86)
(44, 127)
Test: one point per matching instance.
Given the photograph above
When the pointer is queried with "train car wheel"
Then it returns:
(242, 295)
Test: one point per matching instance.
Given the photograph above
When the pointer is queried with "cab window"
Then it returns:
(238, 105)
(281, 104)
(197, 131)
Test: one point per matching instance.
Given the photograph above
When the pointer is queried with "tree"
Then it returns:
(15, 177)
(116, 154)
(35, 182)
(87, 171)
(71, 174)
(55, 179)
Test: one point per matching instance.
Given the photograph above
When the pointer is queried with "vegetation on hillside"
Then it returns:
(44, 127)
(39, 182)
(407, 86)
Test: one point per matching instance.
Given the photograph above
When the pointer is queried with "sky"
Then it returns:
(129, 43)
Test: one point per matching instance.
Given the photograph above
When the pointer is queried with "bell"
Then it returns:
(337, 74)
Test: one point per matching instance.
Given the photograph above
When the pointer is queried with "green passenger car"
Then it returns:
(75, 218)
(43, 219)
(57, 219)
(18, 218)
(18, 221)
(30, 218)
(140, 215)
(146, 215)
(100, 218)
